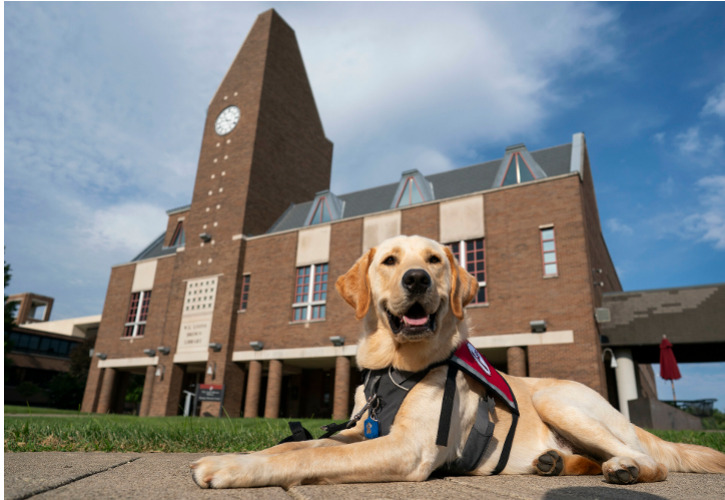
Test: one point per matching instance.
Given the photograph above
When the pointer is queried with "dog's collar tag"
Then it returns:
(372, 429)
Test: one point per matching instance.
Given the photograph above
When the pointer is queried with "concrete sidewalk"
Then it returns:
(167, 476)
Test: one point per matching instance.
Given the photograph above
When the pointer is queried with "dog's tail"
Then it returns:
(680, 457)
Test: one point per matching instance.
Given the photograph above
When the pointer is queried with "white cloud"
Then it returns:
(391, 78)
(618, 227)
(709, 223)
(701, 150)
(715, 104)
(127, 227)
(688, 142)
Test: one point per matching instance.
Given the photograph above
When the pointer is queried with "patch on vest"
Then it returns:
(476, 365)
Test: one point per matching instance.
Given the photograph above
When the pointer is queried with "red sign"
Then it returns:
(210, 392)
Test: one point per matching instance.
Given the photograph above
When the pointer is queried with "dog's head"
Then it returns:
(409, 289)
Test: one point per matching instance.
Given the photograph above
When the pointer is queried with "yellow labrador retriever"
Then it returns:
(410, 294)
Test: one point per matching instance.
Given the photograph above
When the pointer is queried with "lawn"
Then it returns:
(74, 431)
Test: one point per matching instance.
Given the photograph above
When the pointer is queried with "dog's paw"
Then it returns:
(620, 470)
(549, 464)
(225, 471)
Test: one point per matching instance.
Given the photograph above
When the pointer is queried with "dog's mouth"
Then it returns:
(414, 322)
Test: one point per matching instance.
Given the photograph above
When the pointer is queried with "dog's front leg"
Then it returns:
(388, 458)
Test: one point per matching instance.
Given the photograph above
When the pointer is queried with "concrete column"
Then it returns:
(148, 387)
(516, 361)
(254, 382)
(340, 406)
(105, 399)
(626, 379)
(274, 389)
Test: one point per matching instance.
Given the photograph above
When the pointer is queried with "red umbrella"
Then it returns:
(668, 364)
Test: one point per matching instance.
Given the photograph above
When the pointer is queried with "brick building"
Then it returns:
(238, 291)
(38, 349)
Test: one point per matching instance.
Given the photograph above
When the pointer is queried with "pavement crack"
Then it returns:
(72, 480)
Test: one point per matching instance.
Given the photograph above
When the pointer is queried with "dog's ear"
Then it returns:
(463, 286)
(354, 286)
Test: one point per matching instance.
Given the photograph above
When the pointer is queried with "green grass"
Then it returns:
(32, 410)
(711, 439)
(126, 433)
(74, 431)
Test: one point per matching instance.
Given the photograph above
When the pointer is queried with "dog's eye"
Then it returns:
(390, 261)
(434, 259)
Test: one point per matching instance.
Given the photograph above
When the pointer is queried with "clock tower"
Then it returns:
(263, 148)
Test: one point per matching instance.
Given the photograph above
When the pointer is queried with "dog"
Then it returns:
(410, 294)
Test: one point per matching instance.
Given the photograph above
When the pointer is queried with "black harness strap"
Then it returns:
(477, 441)
(503, 459)
(449, 392)
(299, 433)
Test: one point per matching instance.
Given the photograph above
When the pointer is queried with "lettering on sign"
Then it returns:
(209, 392)
(194, 335)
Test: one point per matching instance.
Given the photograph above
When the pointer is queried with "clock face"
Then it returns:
(227, 120)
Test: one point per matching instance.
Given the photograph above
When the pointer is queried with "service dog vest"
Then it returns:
(386, 389)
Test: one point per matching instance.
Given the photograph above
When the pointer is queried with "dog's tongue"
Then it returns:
(415, 321)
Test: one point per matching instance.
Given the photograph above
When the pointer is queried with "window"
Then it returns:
(245, 292)
(310, 292)
(518, 171)
(178, 239)
(548, 252)
(471, 255)
(137, 312)
(35, 344)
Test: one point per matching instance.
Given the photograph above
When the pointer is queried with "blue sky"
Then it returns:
(105, 103)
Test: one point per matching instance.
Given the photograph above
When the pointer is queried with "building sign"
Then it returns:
(194, 334)
(196, 315)
(209, 392)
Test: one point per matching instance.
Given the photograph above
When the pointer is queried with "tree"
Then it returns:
(9, 306)
(9, 321)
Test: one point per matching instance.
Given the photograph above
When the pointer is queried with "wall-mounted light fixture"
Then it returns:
(215, 346)
(160, 370)
(163, 349)
(149, 352)
(101, 355)
(337, 340)
(256, 345)
(538, 326)
(205, 237)
(211, 369)
(613, 362)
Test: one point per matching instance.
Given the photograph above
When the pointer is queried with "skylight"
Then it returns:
(413, 188)
(517, 166)
(326, 207)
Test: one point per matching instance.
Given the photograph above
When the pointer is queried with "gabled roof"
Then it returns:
(461, 181)
(553, 161)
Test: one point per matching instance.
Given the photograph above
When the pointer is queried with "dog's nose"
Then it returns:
(416, 281)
